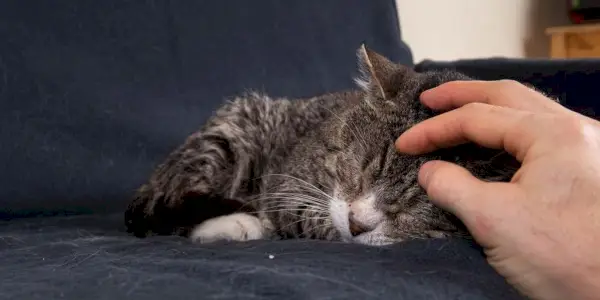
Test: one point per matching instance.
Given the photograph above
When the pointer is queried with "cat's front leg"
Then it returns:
(198, 181)
(213, 170)
(234, 227)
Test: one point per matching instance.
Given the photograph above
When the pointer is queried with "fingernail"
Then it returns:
(426, 95)
(398, 143)
(401, 145)
(409, 142)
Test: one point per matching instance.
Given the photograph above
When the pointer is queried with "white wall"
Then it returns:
(455, 29)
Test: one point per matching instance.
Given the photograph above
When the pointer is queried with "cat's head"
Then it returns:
(376, 196)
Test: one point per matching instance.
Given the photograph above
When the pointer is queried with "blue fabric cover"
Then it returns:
(573, 81)
(93, 94)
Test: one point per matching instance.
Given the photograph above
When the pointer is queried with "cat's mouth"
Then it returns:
(356, 227)
(357, 222)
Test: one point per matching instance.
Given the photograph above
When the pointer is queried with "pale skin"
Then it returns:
(541, 231)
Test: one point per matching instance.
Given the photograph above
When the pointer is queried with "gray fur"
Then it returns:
(271, 156)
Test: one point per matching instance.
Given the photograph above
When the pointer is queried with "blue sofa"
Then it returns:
(94, 94)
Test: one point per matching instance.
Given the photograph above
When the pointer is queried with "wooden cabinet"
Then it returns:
(577, 41)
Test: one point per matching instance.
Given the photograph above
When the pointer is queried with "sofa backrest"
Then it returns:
(94, 94)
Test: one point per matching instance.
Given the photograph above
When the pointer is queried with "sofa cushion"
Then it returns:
(80, 257)
(574, 82)
(94, 94)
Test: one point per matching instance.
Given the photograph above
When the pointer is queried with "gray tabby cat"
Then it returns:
(321, 168)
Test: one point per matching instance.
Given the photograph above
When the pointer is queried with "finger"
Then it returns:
(476, 203)
(487, 125)
(505, 93)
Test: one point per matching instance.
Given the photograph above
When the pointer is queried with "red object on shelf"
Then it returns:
(583, 11)
(576, 18)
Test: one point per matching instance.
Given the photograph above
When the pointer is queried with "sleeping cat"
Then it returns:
(321, 168)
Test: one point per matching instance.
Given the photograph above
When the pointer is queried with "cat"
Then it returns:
(319, 168)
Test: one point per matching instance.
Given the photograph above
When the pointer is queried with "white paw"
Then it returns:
(234, 227)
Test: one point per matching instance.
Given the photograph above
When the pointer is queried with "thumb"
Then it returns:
(479, 205)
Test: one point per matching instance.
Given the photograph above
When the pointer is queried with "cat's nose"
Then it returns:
(356, 227)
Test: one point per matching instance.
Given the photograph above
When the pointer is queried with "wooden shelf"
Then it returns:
(576, 41)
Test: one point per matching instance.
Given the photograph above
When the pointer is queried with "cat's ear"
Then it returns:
(376, 72)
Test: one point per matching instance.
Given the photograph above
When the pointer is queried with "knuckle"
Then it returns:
(574, 130)
(475, 108)
(571, 126)
(509, 84)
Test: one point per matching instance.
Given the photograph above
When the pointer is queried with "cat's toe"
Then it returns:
(233, 227)
(136, 221)
(144, 218)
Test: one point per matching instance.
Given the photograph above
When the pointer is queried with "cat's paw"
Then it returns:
(234, 227)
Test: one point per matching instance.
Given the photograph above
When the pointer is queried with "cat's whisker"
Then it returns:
(282, 211)
(293, 208)
(296, 205)
(290, 212)
(289, 225)
(304, 185)
(318, 227)
(303, 215)
(277, 196)
(276, 199)
(313, 187)
(297, 199)
(292, 201)
(287, 194)
(310, 215)
(308, 206)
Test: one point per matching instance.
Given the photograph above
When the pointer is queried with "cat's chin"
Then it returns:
(374, 239)
(338, 210)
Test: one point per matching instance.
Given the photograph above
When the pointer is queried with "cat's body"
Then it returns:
(323, 168)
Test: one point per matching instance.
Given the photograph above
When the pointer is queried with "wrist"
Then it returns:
(585, 285)
(579, 281)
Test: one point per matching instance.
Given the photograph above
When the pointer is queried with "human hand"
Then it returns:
(541, 231)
